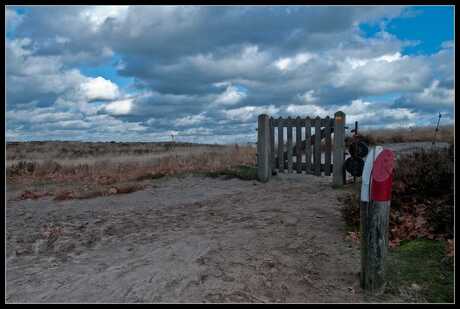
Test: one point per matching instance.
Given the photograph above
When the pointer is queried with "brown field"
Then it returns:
(76, 169)
(408, 135)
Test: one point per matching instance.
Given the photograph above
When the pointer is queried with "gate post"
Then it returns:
(374, 217)
(338, 177)
(263, 148)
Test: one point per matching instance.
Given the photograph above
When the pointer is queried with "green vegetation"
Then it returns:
(243, 172)
(419, 270)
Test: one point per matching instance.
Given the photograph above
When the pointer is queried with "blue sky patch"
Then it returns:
(430, 26)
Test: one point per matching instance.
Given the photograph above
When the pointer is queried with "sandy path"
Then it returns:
(189, 239)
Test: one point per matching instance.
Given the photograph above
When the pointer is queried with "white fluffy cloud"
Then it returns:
(121, 107)
(100, 88)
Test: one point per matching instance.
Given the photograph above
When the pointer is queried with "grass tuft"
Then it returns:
(420, 271)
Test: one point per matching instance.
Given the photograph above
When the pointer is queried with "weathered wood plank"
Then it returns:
(308, 143)
(280, 146)
(289, 144)
(339, 149)
(304, 167)
(298, 144)
(272, 145)
(263, 148)
(293, 122)
(317, 146)
(328, 150)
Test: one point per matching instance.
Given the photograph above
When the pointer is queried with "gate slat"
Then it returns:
(272, 145)
(280, 146)
(289, 144)
(317, 146)
(298, 144)
(327, 155)
(294, 164)
(308, 145)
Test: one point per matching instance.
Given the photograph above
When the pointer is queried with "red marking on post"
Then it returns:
(382, 176)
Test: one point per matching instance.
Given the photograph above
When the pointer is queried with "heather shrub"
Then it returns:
(422, 203)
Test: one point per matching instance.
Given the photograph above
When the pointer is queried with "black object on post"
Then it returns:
(358, 149)
(354, 166)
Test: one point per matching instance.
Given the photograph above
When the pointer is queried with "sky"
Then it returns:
(204, 73)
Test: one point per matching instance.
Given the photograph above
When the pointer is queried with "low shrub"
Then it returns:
(422, 204)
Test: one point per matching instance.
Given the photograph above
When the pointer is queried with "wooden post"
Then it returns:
(327, 153)
(289, 144)
(298, 145)
(338, 177)
(280, 145)
(263, 148)
(272, 145)
(308, 145)
(317, 146)
(374, 217)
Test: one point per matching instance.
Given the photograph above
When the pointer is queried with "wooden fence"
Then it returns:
(274, 154)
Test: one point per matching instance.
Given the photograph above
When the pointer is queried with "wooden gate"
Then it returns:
(277, 151)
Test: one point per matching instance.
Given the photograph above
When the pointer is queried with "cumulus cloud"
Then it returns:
(284, 61)
(287, 64)
(230, 96)
(191, 120)
(433, 98)
(97, 15)
(309, 96)
(100, 88)
(247, 113)
(436, 95)
(121, 107)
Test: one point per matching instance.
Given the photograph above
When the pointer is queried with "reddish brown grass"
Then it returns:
(105, 173)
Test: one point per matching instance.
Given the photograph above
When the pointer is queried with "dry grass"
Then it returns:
(111, 168)
(404, 135)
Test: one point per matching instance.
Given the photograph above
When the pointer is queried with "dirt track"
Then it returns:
(189, 239)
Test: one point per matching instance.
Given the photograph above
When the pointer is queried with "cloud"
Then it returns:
(97, 15)
(287, 64)
(191, 120)
(12, 19)
(100, 89)
(230, 96)
(309, 96)
(247, 113)
(437, 95)
(433, 98)
(121, 107)
(207, 71)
